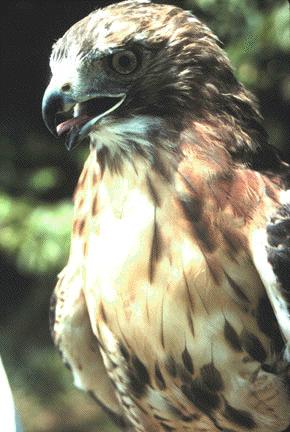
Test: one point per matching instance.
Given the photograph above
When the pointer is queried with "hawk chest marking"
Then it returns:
(171, 313)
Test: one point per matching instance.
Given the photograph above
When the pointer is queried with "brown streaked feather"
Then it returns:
(156, 247)
(246, 341)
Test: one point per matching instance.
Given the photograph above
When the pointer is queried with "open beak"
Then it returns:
(64, 115)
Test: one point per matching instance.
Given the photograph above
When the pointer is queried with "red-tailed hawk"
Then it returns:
(173, 309)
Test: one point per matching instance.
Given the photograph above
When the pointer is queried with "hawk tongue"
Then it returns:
(67, 125)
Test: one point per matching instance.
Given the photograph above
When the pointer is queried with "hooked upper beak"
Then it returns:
(83, 115)
(54, 102)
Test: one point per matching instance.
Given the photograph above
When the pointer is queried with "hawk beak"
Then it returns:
(54, 102)
(82, 119)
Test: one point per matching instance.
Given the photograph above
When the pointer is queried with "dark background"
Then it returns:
(37, 178)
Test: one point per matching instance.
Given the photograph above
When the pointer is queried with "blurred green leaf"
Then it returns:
(37, 235)
(43, 179)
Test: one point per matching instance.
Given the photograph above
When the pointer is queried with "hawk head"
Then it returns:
(135, 74)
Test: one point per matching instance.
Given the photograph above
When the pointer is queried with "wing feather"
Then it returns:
(79, 347)
(271, 254)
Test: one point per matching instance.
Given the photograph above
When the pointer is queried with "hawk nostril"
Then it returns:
(66, 87)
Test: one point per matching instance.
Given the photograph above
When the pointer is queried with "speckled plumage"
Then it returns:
(167, 310)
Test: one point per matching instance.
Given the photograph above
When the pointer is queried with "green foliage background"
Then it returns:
(36, 183)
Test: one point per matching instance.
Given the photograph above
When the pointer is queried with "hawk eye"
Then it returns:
(124, 62)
